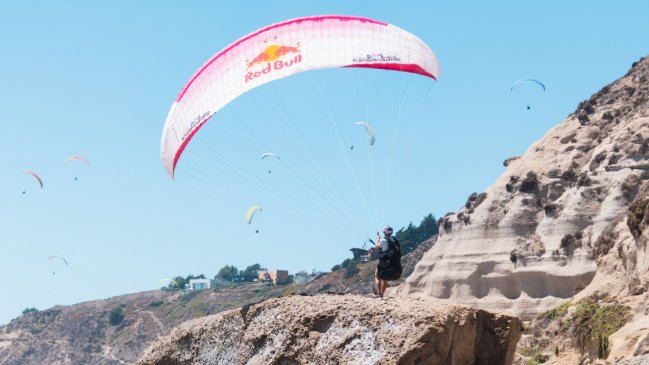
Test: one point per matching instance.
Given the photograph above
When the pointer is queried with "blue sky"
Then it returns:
(97, 79)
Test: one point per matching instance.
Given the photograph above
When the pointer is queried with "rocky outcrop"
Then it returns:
(541, 233)
(85, 334)
(342, 329)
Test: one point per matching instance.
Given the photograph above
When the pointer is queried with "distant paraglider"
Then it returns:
(269, 154)
(370, 132)
(251, 213)
(35, 175)
(77, 158)
(521, 81)
(58, 258)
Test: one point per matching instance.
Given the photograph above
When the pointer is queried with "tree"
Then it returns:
(190, 277)
(335, 268)
(116, 316)
(428, 228)
(346, 263)
(411, 236)
(251, 272)
(181, 282)
(227, 272)
(30, 310)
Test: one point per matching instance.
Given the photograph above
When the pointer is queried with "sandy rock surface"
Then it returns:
(342, 329)
(526, 244)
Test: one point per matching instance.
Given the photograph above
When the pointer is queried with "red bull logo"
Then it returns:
(271, 58)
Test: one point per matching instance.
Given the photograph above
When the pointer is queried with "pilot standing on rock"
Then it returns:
(389, 266)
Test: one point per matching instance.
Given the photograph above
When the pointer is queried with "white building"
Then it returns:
(301, 278)
(199, 284)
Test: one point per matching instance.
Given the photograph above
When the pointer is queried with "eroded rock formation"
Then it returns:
(530, 242)
(342, 329)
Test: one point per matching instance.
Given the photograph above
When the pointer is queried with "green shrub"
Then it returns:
(30, 310)
(556, 313)
(346, 263)
(635, 216)
(537, 358)
(595, 322)
(116, 316)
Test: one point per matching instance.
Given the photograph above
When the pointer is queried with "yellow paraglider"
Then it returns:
(251, 212)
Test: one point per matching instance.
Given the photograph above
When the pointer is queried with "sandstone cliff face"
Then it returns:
(529, 241)
(608, 321)
(623, 273)
(342, 329)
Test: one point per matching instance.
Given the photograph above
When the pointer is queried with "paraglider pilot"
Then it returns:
(389, 266)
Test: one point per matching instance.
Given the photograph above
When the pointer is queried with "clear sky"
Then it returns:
(97, 79)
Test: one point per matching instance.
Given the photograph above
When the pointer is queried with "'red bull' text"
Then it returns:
(272, 66)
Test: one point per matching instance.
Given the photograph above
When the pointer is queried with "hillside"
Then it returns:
(83, 334)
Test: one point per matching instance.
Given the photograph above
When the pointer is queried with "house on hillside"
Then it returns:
(302, 277)
(199, 284)
(362, 255)
(277, 277)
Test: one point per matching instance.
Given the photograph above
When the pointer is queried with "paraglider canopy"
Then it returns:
(370, 132)
(77, 158)
(251, 212)
(59, 258)
(527, 81)
(35, 175)
(269, 154)
(297, 45)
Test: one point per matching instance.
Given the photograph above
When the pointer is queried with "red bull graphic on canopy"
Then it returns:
(272, 58)
(272, 53)
(281, 50)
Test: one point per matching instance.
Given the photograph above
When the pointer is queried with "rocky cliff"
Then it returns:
(86, 333)
(342, 329)
(529, 242)
(608, 321)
